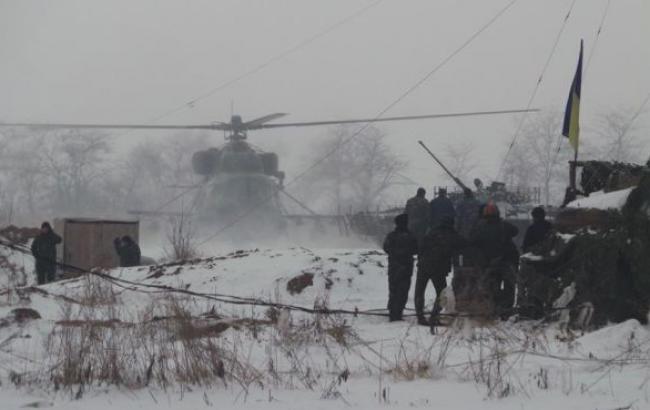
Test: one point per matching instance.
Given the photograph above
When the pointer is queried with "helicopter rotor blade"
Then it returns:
(255, 124)
(215, 126)
(403, 118)
(259, 123)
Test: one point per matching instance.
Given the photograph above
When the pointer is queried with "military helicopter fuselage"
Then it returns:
(238, 178)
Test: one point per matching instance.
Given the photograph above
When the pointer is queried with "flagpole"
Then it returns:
(571, 125)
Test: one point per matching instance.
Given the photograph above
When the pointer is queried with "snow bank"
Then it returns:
(610, 341)
(601, 200)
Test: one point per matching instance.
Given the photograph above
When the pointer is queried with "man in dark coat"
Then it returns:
(400, 245)
(441, 208)
(434, 264)
(128, 251)
(497, 256)
(44, 251)
(538, 231)
(467, 213)
(417, 209)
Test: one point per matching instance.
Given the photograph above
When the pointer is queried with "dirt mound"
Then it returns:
(297, 284)
(18, 234)
(24, 314)
(19, 315)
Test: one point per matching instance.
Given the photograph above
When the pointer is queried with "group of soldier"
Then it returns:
(44, 251)
(469, 234)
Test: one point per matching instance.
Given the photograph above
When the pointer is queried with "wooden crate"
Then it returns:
(88, 243)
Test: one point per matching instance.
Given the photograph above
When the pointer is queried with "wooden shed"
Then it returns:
(88, 243)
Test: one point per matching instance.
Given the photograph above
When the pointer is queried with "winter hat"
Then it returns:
(402, 220)
(538, 212)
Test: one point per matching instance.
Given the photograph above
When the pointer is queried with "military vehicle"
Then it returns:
(515, 205)
(595, 267)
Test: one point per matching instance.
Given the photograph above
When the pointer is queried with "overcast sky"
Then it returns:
(131, 61)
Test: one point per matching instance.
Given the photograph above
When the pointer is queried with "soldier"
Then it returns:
(417, 209)
(44, 251)
(128, 251)
(538, 230)
(434, 264)
(481, 193)
(497, 256)
(467, 213)
(400, 245)
(441, 208)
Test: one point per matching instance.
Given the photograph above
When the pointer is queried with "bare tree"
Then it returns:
(22, 173)
(622, 142)
(74, 165)
(356, 172)
(55, 172)
(152, 172)
(540, 156)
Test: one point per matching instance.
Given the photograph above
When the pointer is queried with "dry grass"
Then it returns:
(182, 239)
(88, 351)
(96, 343)
(96, 292)
(15, 275)
(414, 359)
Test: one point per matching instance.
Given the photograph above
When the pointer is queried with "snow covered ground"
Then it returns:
(134, 346)
(602, 200)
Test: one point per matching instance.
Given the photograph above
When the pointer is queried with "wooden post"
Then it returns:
(572, 174)
(573, 167)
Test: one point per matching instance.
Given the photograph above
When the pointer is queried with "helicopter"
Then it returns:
(241, 183)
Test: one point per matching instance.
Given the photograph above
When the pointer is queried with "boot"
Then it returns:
(435, 321)
(422, 321)
(435, 315)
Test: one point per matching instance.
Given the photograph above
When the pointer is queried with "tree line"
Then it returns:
(50, 173)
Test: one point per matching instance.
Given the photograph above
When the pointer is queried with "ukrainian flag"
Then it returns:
(571, 127)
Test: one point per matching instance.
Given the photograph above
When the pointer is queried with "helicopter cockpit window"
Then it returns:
(245, 162)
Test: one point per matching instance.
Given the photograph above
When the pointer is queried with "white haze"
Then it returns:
(133, 61)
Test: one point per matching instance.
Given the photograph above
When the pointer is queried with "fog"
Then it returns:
(145, 61)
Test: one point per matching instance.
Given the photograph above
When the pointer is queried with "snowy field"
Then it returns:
(93, 343)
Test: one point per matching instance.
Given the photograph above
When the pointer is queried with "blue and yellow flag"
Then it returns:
(571, 127)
